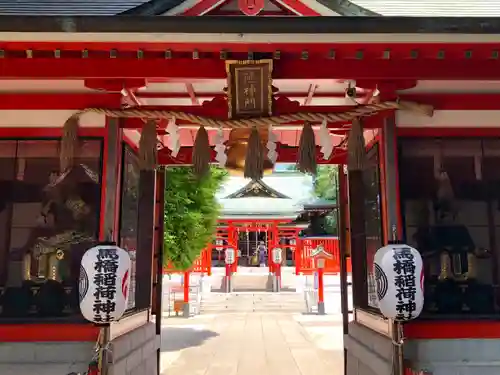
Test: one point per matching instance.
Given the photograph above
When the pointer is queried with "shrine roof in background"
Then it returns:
(85, 7)
(294, 186)
(161, 7)
(256, 207)
(319, 204)
(257, 189)
(421, 8)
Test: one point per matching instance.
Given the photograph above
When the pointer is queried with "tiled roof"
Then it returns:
(347, 8)
(420, 8)
(260, 206)
(432, 8)
(256, 189)
(83, 7)
(296, 186)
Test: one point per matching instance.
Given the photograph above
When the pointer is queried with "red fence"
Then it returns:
(304, 262)
(203, 264)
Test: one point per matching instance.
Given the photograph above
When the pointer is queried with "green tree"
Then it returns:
(292, 168)
(325, 187)
(191, 212)
(325, 183)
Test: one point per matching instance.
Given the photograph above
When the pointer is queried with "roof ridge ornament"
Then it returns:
(251, 7)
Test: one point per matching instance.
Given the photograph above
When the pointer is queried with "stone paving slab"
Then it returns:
(252, 344)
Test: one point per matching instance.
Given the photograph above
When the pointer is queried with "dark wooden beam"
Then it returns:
(258, 25)
(356, 189)
(145, 238)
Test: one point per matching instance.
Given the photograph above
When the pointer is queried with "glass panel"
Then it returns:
(446, 188)
(7, 178)
(129, 213)
(53, 220)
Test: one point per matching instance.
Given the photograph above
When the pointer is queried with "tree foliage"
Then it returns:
(325, 187)
(325, 184)
(191, 212)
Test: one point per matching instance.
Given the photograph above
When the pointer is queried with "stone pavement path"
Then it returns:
(253, 344)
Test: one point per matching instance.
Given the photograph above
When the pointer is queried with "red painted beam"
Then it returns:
(49, 332)
(61, 101)
(185, 95)
(132, 98)
(201, 7)
(285, 155)
(310, 94)
(471, 132)
(452, 329)
(453, 51)
(313, 68)
(51, 132)
(192, 94)
(300, 8)
(265, 13)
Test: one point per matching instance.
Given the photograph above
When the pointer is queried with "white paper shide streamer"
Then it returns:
(325, 140)
(272, 155)
(174, 138)
(220, 148)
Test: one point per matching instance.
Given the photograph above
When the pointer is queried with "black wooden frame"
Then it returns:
(357, 226)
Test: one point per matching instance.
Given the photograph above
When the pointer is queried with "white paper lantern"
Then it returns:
(104, 283)
(229, 256)
(277, 255)
(219, 243)
(399, 275)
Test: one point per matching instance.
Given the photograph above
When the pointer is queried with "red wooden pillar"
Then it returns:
(298, 256)
(321, 286)
(320, 267)
(208, 257)
(186, 295)
(232, 242)
(278, 274)
(294, 252)
(276, 243)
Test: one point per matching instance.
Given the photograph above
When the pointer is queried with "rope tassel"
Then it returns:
(306, 162)
(254, 161)
(202, 153)
(69, 143)
(356, 147)
(148, 152)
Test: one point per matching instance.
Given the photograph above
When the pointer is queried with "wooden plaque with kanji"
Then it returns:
(249, 88)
